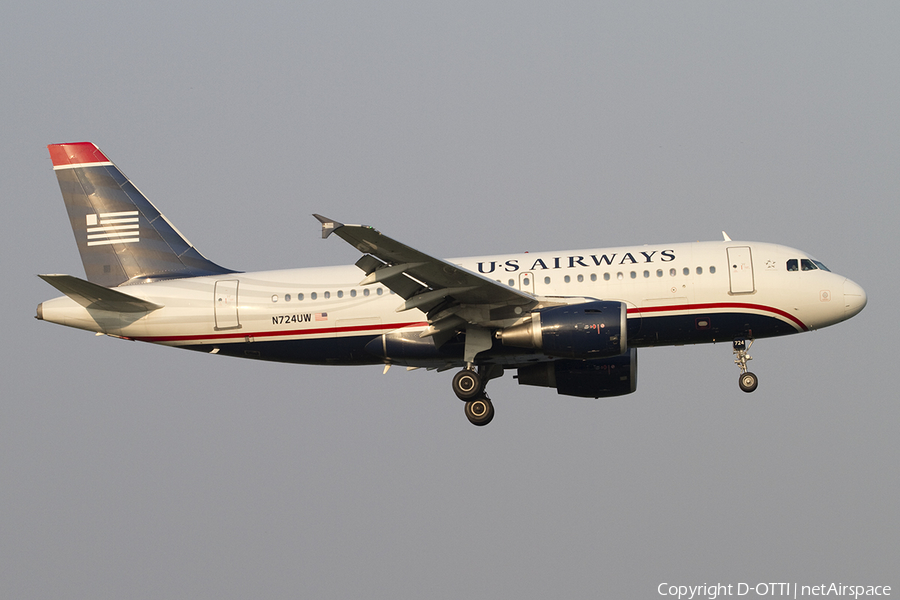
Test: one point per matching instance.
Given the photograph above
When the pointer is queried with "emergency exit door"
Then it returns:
(740, 270)
(526, 282)
(226, 303)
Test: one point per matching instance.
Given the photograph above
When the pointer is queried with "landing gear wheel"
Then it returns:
(748, 381)
(467, 385)
(479, 412)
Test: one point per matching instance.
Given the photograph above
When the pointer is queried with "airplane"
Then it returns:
(570, 320)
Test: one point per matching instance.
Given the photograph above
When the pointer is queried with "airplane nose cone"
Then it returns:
(854, 299)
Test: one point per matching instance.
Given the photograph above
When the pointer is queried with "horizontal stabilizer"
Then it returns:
(91, 295)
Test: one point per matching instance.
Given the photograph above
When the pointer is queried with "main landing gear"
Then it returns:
(480, 411)
(747, 380)
(468, 385)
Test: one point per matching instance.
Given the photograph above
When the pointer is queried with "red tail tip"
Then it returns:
(76, 153)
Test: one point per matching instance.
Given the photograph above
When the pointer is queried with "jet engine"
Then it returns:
(602, 378)
(591, 330)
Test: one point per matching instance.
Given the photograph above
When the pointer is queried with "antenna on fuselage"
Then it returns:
(725, 235)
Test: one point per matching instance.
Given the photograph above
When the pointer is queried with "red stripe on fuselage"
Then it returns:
(719, 306)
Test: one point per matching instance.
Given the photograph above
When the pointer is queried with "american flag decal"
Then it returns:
(113, 228)
(321, 316)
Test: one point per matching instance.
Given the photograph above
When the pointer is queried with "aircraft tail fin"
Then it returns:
(121, 236)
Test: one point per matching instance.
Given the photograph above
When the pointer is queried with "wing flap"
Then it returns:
(385, 272)
(431, 298)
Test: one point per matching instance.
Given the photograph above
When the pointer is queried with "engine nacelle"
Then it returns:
(615, 376)
(590, 330)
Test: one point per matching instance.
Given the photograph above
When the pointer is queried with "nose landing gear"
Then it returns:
(747, 380)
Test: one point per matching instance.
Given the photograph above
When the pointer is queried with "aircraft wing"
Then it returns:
(450, 295)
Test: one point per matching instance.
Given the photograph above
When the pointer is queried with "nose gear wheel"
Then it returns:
(748, 382)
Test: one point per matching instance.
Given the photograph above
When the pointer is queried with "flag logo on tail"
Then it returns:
(113, 228)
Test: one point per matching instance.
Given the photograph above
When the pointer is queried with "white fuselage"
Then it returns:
(675, 294)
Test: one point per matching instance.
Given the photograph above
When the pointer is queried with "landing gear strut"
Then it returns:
(747, 380)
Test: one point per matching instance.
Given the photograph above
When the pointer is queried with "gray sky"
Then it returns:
(134, 471)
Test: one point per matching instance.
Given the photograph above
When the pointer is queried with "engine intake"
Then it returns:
(590, 330)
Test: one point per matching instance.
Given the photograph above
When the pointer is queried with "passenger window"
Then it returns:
(353, 293)
(807, 265)
(593, 277)
(567, 279)
(547, 280)
(580, 278)
(313, 296)
(326, 295)
(792, 264)
(526, 281)
(379, 291)
(619, 276)
(659, 273)
(365, 291)
(340, 294)
(512, 283)
(300, 297)
(686, 271)
(274, 298)
(699, 270)
(646, 274)
(606, 277)
(712, 270)
(672, 272)
(287, 297)
(633, 275)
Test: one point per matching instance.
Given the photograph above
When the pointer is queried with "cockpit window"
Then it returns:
(805, 264)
